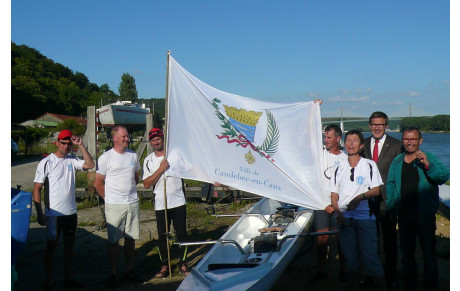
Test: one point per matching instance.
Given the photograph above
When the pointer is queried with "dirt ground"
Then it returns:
(91, 266)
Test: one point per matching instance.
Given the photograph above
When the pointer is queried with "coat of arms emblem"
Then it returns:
(240, 128)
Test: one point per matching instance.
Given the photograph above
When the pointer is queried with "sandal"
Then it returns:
(184, 270)
(163, 272)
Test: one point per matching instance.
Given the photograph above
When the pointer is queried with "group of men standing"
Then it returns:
(116, 178)
(408, 191)
(409, 197)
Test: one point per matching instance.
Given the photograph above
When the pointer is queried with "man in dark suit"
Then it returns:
(382, 148)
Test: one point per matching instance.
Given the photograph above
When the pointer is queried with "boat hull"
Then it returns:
(234, 263)
(111, 115)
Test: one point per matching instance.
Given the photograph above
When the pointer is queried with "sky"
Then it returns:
(358, 56)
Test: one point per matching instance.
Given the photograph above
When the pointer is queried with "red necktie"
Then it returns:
(375, 155)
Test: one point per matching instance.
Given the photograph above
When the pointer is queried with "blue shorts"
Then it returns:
(359, 241)
(67, 224)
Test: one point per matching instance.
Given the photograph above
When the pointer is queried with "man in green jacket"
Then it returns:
(413, 196)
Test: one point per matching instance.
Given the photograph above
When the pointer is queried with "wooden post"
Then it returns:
(165, 156)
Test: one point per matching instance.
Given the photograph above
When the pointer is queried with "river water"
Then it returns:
(435, 143)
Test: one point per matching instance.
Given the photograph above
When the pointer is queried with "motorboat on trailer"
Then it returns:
(255, 251)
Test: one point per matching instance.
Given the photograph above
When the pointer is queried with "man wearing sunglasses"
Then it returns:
(413, 195)
(382, 149)
(57, 173)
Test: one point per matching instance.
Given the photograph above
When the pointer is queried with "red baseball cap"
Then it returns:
(155, 132)
(65, 134)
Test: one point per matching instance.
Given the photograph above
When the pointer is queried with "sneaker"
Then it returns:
(318, 277)
(132, 277)
(112, 281)
(71, 283)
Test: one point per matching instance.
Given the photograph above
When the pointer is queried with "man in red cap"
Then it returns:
(155, 165)
(57, 173)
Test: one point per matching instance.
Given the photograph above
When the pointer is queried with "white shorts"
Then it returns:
(122, 221)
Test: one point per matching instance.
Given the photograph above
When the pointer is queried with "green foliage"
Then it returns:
(193, 183)
(427, 123)
(86, 223)
(127, 88)
(73, 126)
(39, 85)
(33, 218)
(87, 203)
(81, 180)
(157, 107)
(147, 205)
(28, 140)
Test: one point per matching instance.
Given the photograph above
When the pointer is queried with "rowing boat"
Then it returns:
(255, 251)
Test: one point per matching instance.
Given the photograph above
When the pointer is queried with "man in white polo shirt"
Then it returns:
(57, 173)
(155, 166)
(119, 167)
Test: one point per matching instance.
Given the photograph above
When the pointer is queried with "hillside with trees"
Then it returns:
(40, 85)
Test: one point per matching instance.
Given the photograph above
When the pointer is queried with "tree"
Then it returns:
(73, 126)
(127, 88)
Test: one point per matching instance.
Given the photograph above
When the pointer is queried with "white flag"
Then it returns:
(270, 149)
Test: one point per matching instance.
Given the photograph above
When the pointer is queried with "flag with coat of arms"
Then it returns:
(270, 149)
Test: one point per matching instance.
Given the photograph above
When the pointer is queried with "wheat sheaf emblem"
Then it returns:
(240, 128)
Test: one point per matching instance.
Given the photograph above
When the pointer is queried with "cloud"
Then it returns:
(412, 94)
(349, 99)
(137, 72)
(312, 95)
(397, 102)
(359, 90)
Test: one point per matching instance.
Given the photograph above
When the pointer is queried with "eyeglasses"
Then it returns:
(378, 125)
(65, 143)
(410, 139)
(352, 176)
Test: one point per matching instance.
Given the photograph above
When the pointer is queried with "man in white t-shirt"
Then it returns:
(57, 173)
(155, 166)
(322, 222)
(118, 168)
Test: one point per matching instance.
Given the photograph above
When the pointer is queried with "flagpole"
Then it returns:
(165, 157)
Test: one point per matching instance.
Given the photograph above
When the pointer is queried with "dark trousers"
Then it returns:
(390, 244)
(409, 229)
(178, 217)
